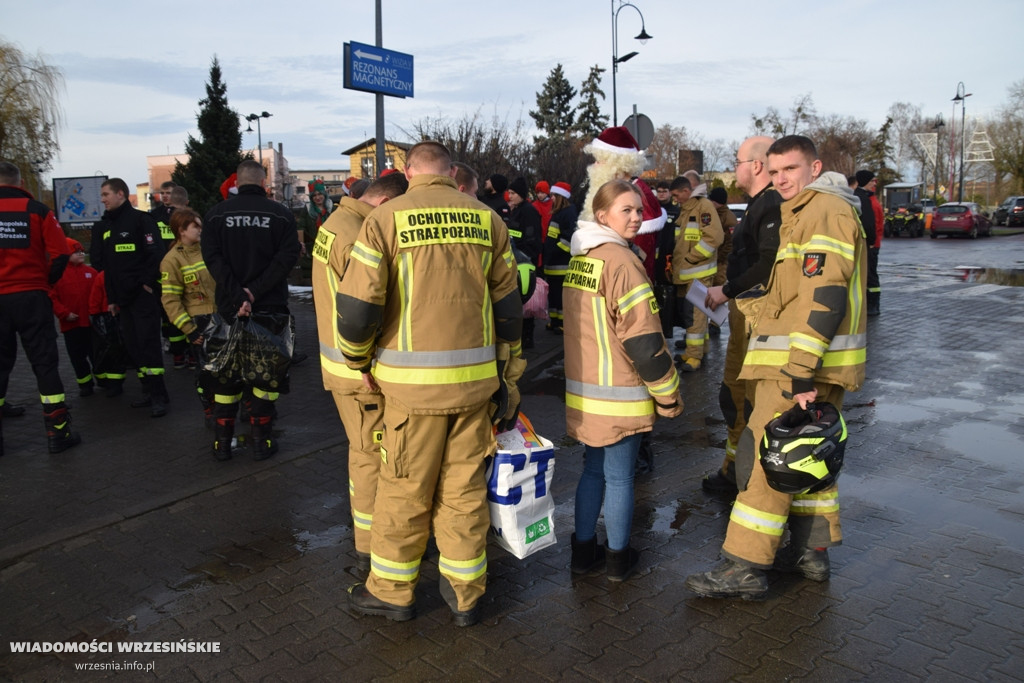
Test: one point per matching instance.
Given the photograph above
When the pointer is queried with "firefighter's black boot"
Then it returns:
(263, 444)
(586, 556)
(59, 436)
(621, 563)
(223, 432)
(874, 303)
(730, 580)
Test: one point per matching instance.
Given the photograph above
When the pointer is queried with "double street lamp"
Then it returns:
(961, 97)
(936, 127)
(259, 133)
(643, 37)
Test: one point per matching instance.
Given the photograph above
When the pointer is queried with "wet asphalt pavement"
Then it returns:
(138, 536)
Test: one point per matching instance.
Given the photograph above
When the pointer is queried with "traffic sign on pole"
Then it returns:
(374, 69)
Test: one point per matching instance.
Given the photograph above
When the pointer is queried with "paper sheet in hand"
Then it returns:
(697, 294)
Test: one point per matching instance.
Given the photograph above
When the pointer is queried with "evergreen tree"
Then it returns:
(216, 154)
(879, 152)
(555, 114)
(589, 120)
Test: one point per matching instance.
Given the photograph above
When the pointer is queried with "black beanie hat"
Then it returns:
(519, 187)
(864, 177)
(499, 183)
(718, 194)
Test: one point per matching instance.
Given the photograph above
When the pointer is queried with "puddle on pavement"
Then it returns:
(668, 517)
(1011, 277)
(923, 408)
(234, 562)
(985, 441)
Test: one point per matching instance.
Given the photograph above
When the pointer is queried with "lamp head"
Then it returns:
(644, 36)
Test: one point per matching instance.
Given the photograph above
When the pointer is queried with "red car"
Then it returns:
(960, 218)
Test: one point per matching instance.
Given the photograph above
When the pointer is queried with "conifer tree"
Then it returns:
(216, 154)
(555, 114)
(589, 120)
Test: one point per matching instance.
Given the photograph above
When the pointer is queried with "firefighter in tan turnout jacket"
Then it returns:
(807, 343)
(360, 407)
(694, 258)
(618, 372)
(432, 271)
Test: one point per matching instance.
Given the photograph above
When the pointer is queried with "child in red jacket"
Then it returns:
(70, 296)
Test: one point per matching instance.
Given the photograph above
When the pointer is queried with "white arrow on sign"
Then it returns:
(367, 55)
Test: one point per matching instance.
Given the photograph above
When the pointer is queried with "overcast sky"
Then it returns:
(134, 81)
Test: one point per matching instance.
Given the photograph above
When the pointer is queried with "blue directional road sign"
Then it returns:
(374, 69)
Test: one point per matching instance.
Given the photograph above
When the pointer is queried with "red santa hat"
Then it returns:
(563, 189)
(229, 186)
(618, 140)
(655, 216)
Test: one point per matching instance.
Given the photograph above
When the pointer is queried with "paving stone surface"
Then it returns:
(139, 536)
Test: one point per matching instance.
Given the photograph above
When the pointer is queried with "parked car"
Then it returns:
(960, 218)
(738, 210)
(1010, 212)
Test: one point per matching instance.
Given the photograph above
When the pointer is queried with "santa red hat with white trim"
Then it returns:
(563, 189)
(617, 139)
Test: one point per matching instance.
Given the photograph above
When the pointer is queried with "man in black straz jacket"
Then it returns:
(249, 247)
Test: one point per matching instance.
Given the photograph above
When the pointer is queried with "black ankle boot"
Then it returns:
(586, 556)
(263, 444)
(622, 563)
(59, 436)
(223, 432)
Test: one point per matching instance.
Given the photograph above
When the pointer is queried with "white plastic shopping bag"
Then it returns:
(519, 490)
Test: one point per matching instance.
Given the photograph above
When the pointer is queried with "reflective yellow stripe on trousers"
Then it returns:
(756, 520)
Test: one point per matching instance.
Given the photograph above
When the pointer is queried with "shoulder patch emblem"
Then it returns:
(705, 219)
(814, 264)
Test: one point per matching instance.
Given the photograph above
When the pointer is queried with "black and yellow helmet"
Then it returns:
(802, 450)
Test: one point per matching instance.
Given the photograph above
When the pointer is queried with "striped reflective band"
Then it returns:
(394, 571)
(181, 319)
(51, 399)
(366, 255)
(607, 400)
(463, 570)
(635, 296)
(756, 520)
(669, 387)
(265, 395)
(815, 503)
(338, 368)
(227, 399)
(486, 309)
(167, 288)
(406, 283)
(694, 272)
(361, 520)
(844, 350)
(604, 352)
(436, 367)
(704, 249)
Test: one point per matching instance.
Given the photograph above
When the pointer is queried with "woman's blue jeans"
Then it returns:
(608, 475)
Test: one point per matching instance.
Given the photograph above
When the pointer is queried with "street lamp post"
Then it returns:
(938, 124)
(961, 97)
(643, 37)
(259, 133)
